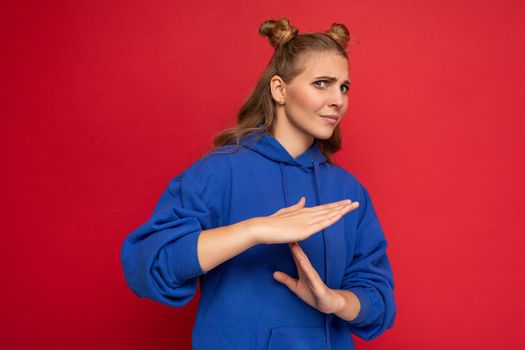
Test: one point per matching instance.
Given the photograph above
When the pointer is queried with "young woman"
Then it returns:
(286, 245)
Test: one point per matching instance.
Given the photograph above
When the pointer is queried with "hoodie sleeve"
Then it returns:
(369, 276)
(159, 258)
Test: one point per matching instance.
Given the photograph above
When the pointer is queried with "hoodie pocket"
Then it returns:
(297, 338)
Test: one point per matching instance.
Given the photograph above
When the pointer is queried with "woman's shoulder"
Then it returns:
(352, 185)
(357, 191)
(343, 175)
(212, 166)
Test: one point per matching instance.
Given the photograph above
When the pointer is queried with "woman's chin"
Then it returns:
(324, 132)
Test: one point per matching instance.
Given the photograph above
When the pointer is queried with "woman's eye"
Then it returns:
(320, 83)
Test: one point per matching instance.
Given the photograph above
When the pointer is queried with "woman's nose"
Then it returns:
(337, 98)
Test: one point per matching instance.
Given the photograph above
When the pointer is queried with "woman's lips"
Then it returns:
(332, 119)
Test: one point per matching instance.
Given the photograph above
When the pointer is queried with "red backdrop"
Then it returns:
(105, 101)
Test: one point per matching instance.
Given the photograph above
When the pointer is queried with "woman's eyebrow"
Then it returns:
(331, 79)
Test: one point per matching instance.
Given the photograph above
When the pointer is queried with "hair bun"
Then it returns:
(339, 33)
(279, 32)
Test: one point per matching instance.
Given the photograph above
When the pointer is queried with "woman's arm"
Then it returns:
(217, 245)
(368, 274)
(350, 305)
(293, 223)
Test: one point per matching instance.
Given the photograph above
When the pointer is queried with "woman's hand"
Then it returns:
(296, 223)
(309, 287)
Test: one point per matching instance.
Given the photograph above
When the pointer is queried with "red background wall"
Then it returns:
(105, 101)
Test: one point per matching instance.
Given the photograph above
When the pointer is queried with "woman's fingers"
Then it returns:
(286, 280)
(308, 213)
(297, 222)
(303, 262)
(300, 204)
(307, 272)
(314, 217)
(330, 209)
(328, 206)
(318, 208)
(300, 272)
(326, 220)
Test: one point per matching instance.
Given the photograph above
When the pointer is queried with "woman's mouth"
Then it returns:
(332, 119)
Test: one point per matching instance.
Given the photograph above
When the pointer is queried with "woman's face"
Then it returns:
(320, 90)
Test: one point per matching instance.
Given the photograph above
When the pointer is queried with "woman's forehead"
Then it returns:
(324, 64)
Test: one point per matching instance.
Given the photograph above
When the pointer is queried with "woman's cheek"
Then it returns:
(312, 101)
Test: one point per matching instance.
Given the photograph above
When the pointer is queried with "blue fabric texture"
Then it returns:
(241, 305)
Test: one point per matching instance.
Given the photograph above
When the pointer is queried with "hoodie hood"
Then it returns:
(269, 147)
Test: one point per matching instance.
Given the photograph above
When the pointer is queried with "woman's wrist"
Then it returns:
(249, 228)
(349, 305)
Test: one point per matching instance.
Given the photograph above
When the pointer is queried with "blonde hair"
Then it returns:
(290, 46)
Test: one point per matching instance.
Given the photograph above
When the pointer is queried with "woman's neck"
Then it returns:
(293, 139)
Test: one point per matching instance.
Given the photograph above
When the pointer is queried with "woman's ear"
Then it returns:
(278, 89)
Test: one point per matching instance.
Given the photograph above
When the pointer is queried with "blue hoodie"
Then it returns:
(241, 305)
